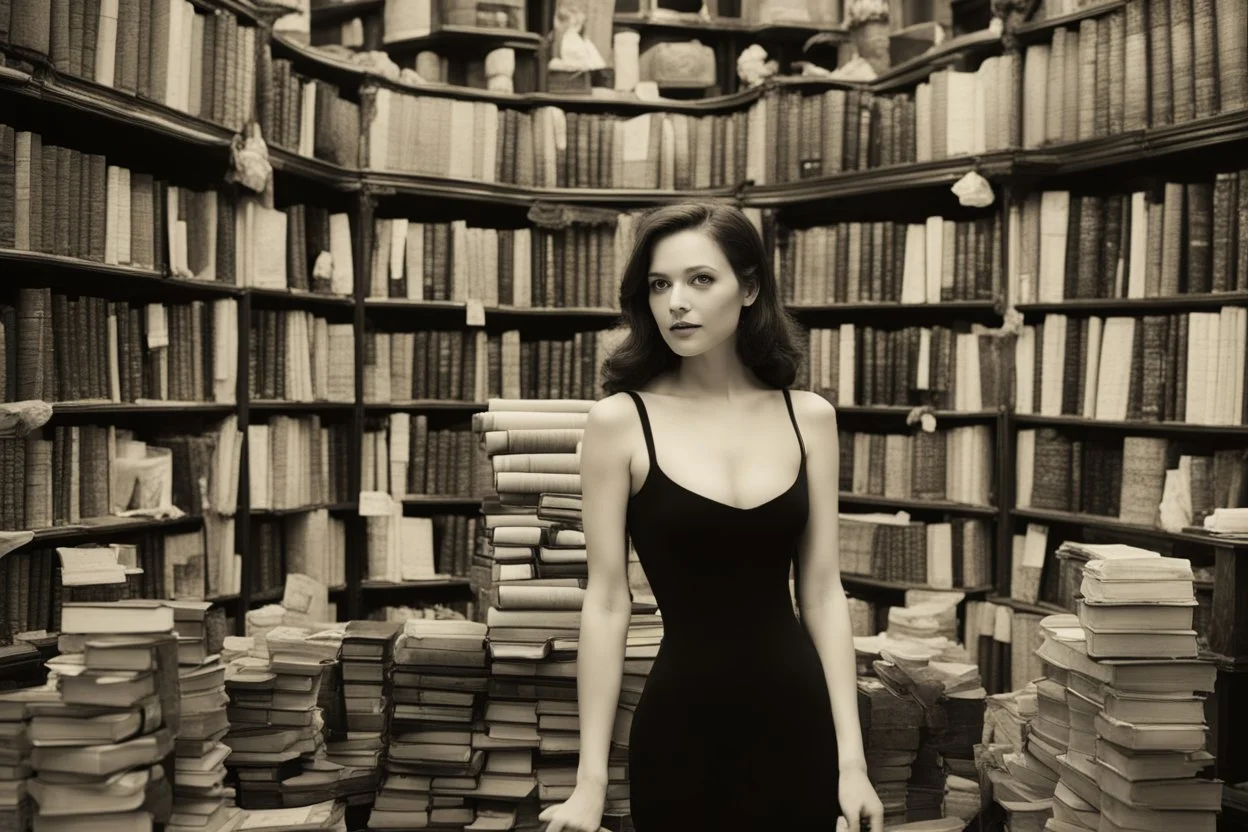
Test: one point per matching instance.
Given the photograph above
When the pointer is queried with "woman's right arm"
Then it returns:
(605, 612)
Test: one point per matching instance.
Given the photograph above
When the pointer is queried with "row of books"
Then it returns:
(406, 548)
(1180, 239)
(892, 547)
(311, 543)
(303, 115)
(1144, 480)
(74, 204)
(471, 365)
(1148, 64)
(953, 465)
(67, 473)
(937, 366)
(785, 136)
(62, 348)
(576, 265)
(299, 356)
(297, 461)
(196, 61)
(1181, 368)
(939, 260)
(953, 113)
(420, 460)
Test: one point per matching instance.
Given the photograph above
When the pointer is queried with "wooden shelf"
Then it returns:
(320, 171)
(449, 39)
(727, 26)
(397, 183)
(442, 501)
(100, 527)
(1112, 524)
(282, 406)
(911, 176)
(978, 311)
(868, 582)
(292, 298)
(425, 404)
(1038, 608)
(904, 410)
(287, 512)
(500, 313)
(89, 408)
(1035, 31)
(1103, 307)
(846, 497)
(1140, 427)
(432, 583)
(223, 599)
(59, 272)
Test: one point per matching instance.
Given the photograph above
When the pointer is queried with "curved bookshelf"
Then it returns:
(1151, 428)
(692, 23)
(336, 508)
(441, 187)
(980, 311)
(911, 176)
(400, 586)
(291, 298)
(459, 37)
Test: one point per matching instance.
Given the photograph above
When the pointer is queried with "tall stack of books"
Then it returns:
(276, 722)
(538, 574)
(367, 657)
(433, 760)
(1136, 736)
(201, 800)
(103, 754)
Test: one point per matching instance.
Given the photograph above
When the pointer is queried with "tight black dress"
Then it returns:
(734, 728)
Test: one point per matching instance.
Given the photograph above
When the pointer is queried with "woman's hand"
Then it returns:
(858, 800)
(582, 812)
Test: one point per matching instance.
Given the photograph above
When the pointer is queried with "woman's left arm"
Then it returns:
(825, 610)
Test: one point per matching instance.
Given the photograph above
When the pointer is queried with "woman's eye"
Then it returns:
(706, 278)
(657, 285)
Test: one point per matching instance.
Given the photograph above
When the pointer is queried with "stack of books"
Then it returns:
(16, 708)
(891, 734)
(201, 800)
(103, 754)
(275, 719)
(1026, 773)
(538, 566)
(367, 657)
(1136, 734)
(433, 761)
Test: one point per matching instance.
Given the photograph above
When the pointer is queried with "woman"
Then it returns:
(749, 718)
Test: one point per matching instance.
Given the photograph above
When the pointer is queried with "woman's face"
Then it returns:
(692, 283)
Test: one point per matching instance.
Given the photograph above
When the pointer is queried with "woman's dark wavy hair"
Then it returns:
(765, 335)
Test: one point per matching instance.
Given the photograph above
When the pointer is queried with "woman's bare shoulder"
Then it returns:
(612, 415)
(812, 406)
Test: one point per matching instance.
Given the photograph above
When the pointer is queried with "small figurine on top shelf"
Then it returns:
(570, 49)
(753, 68)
